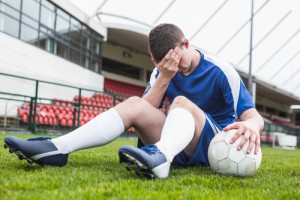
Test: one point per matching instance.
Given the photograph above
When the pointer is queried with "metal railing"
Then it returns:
(37, 92)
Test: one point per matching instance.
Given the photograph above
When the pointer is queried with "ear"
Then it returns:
(186, 43)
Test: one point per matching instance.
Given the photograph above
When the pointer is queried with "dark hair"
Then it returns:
(162, 38)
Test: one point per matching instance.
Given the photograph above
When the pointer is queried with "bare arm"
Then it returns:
(167, 67)
(250, 125)
(157, 91)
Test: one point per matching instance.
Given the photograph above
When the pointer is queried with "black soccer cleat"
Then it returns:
(36, 150)
(147, 161)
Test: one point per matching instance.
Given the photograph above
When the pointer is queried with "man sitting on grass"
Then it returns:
(206, 95)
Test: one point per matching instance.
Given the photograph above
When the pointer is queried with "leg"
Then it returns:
(147, 119)
(179, 133)
(199, 118)
(101, 130)
(109, 125)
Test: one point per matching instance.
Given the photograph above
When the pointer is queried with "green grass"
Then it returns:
(97, 174)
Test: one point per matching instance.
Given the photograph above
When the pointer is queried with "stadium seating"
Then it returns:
(61, 113)
(121, 89)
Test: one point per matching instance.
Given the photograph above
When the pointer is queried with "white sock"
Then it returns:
(177, 133)
(101, 130)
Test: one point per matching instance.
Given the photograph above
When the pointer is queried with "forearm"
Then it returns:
(155, 94)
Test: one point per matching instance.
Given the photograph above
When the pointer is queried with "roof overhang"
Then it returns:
(131, 37)
(272, 92)
(136, 39)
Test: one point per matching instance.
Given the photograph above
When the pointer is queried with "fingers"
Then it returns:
(249, 135)
(257, 145)
(239, 132)
(234, 125)
(174, 58)
(167, 57)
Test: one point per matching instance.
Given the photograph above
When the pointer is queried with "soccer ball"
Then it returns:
(224, 158)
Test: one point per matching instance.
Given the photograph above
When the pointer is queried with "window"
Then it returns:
(43, 24)
(62, 49)
(270, 110)
(29, 34)
(10, 11)
(148, 75)
(31, 8)
(297, 118)
(47, 15)
(16, 4)
(62, 26)
(282, 114)
(259, 107)
(10, 25)
(120, 68)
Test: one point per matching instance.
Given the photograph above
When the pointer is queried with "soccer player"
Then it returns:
(206, 95)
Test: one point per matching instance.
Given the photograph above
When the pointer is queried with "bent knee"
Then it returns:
(134, 99)
(180, 101)
(183, 102)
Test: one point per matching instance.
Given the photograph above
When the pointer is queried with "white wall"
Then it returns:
(20, 58)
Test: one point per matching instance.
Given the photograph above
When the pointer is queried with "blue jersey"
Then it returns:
(214, 86)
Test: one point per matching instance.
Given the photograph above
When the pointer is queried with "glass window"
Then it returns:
(85, 58)
(10, 11)
(56, 32)
(47, 31)
(95, 45)
(74, 55)
(63, 14)
(31, 8)
(10, 26)
(120, 68)
(62, 49)
(148, 75)
(75, 36)
(62, 38)
(16, 4)
(75, 23)
(62, 26)
(28, 34)
(86, 31)
(30, 22)
(48, 5)
(85, 37)
(48, 17)
(46, 41)
(95, 64)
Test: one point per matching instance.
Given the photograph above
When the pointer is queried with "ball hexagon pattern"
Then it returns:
(224, 158)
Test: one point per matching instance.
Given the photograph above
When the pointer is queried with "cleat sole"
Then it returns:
(133, 165)
(19, 154)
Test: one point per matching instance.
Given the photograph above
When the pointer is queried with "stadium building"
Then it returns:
(59, 68)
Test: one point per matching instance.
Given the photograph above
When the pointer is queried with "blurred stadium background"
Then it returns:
(64, 62)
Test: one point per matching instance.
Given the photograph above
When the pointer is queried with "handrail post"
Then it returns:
(35, 105)
(30, 114)
(79, 107)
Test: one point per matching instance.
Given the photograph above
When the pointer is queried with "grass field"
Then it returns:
(97, 174)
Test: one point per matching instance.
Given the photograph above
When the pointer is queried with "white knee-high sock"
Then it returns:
(177, 133)
(101, 130)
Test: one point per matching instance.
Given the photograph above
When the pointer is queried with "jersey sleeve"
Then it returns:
(245, 100)
(235, 93)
